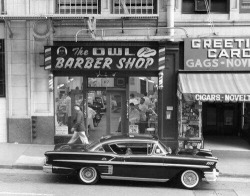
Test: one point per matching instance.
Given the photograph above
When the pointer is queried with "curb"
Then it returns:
(24, 167)
(39, 167)
(235, 175)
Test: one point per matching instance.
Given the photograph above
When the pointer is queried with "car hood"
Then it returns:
(70, 147)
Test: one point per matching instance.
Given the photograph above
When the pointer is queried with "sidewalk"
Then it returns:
(232, 162)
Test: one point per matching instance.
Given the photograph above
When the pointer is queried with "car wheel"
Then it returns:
(189, 179)
(88, 175)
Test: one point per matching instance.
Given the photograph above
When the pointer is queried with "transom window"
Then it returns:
(78, 6)
(245, 6)
(135, 7)
(203, 6)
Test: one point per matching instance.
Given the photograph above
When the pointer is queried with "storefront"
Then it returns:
(118, 86)
(213, 89)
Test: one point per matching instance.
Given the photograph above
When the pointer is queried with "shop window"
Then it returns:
(135, 6)
(244, 6)
(78, 6)
(2, 69)
(202, 6)
(143, 105)
(68, 92)
(189, 124)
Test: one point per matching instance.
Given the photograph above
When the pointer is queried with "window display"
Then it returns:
(67, 93)
(189, 124)
(143, 105)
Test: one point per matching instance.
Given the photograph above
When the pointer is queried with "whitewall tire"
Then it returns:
(88, 175)
(189, 179)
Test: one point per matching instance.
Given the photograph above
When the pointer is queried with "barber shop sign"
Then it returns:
(102, 58)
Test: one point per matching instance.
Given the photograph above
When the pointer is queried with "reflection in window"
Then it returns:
(100, 82)
(68, 91)
(143, 105)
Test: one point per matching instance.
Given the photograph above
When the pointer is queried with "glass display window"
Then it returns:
(68, 92)
(143, 105)
(189, 124)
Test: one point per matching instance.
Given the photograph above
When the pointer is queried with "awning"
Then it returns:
(228, 87)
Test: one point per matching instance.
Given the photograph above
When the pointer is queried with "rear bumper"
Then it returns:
(211, 176)
(58, 170)
(47, 168)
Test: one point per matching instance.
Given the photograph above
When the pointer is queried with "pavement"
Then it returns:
(233, 154)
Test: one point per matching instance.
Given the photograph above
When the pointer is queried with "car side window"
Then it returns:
(118, 149)
(158, 150)
(150, 147)
(132, 148)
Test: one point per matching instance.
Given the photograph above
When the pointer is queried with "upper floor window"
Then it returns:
(135, 6)
(203, 6)
(244, 6)
(78, 6)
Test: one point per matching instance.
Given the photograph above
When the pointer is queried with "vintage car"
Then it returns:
(131, 157)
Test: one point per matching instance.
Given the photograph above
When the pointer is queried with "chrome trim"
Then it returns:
(65, 168)
(185, 165)
(175, 157)
(136, 163)
(125, 140)
(82, 153)
(134, 179)
(113, 163)
(47, 168)
(211, 176)
(110, 169)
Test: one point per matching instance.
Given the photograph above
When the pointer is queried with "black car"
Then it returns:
(131, 157)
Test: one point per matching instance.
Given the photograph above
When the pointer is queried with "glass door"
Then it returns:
(116, 110)
(106, 106)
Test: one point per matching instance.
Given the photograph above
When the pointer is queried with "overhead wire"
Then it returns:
(209, 17)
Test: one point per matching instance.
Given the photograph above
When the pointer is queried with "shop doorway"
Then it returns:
(222, 119)
(106, 112)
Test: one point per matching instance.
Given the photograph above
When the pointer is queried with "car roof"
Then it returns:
(132, 137)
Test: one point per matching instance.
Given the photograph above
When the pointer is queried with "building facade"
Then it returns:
(97, 53)
(60, 53)
(213, 81)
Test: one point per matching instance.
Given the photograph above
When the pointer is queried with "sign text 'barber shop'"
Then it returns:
(104, 58)
(217, 54)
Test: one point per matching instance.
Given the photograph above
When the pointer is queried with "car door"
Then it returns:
(144, 162)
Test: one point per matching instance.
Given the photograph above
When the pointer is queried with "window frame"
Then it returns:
(118, 10)
(2, 69)
(72, 3)
(243, 10)
(212, 3)
(127, 144)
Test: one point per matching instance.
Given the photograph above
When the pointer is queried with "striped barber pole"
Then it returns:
(162, 53)
(47, 58)
(51, 84)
